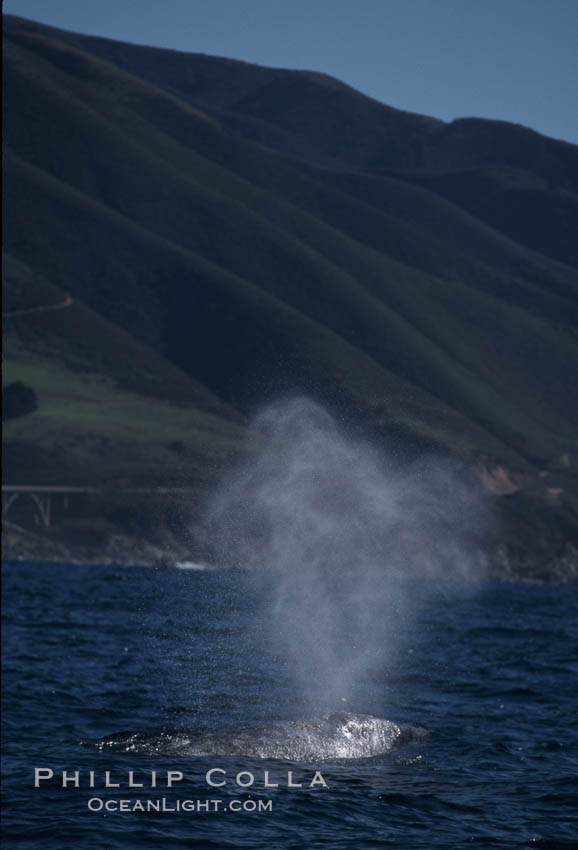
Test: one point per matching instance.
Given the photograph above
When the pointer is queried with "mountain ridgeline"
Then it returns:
(219, 234)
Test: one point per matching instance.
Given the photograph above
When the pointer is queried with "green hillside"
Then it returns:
(109, 407)
(229, 233)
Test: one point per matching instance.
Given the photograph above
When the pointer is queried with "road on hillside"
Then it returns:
(67, 302)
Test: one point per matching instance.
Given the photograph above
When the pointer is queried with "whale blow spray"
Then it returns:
(332, 529)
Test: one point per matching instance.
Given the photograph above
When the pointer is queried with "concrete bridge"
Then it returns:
(41, 497)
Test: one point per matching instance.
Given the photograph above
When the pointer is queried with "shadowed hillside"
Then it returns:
(229, 233)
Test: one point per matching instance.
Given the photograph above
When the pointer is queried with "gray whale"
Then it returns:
(337, 736)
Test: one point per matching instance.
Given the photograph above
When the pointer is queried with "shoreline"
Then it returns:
(22, 546)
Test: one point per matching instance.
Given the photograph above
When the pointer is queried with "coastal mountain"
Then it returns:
(218, 234)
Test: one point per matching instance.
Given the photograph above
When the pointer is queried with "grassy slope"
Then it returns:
(515, 179)
(395, 314)
(256, 273)
(75, 337)
(87, 430)
(109, 407)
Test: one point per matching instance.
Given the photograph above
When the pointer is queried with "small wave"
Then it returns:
(339, 736)
(192, 565)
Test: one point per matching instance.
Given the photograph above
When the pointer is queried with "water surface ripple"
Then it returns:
(95, 652)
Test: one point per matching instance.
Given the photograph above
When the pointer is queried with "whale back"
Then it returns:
(341, 735)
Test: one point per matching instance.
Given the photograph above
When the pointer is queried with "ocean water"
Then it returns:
(125, 669)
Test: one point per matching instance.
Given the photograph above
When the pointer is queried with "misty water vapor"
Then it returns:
(333, 530)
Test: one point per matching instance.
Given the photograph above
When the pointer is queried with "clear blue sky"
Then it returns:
(515, 60)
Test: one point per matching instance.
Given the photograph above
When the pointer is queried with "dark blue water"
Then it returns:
(91, 652)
